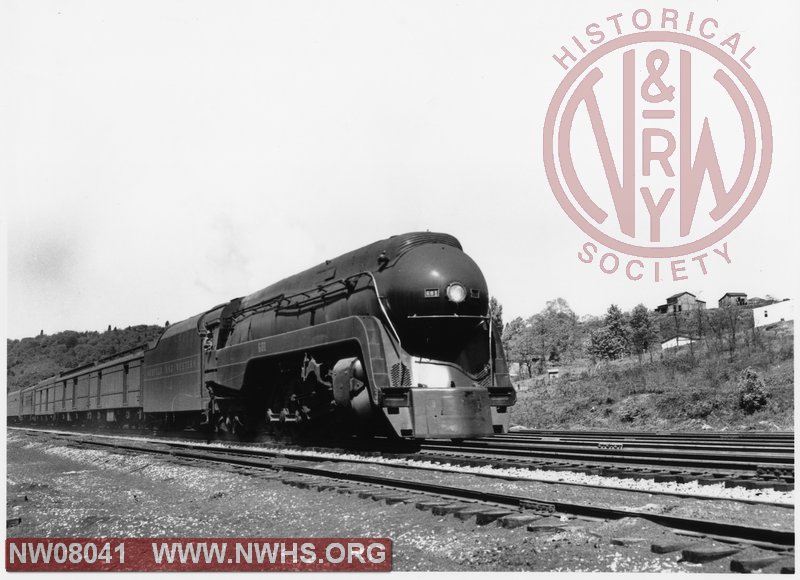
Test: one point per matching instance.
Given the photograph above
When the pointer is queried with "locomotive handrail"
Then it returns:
(491, 332)
(257, 306)
(312, 295)
(448, 316)
(276, 301)
(383, 309)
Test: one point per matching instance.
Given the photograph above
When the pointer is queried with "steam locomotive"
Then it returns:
(394, 338)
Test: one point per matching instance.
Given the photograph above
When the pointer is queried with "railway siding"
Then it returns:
(525, 537)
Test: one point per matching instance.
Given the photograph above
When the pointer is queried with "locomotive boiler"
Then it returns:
(392, 338)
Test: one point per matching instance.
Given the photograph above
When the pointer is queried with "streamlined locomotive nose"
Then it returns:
(436, 280)
(437, 299)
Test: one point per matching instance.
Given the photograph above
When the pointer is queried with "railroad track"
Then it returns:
(671, 457)
(698, 540)
(424, 462)
(780, 437)
(538, 514)
(648, 456)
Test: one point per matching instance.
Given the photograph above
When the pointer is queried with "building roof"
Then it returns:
(680, 294)
(734, 294)
(686, 336)
(768, 303)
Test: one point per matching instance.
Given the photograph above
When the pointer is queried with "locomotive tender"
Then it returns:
(393, 338)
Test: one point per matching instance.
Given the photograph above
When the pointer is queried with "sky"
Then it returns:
(162, 157)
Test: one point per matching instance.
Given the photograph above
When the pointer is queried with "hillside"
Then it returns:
(31, 360)
(681, 389)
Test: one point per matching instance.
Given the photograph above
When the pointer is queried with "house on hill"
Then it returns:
(682, 302)
(733, 299)
(772, 313)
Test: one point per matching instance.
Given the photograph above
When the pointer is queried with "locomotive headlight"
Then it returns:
(456, 292)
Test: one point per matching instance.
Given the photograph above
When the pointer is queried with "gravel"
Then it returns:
(83, 492)
(713, 491)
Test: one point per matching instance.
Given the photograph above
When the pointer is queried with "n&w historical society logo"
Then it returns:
(657, 142)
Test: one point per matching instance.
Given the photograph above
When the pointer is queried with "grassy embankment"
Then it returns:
(679, 391)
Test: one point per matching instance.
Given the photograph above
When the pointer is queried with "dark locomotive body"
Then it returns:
(393, 338)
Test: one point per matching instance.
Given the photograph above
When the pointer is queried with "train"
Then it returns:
(395, 338)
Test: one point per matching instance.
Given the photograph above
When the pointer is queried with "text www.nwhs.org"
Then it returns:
(209, 554)
(267, 552)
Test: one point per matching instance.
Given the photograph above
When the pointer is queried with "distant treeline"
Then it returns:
(558, 335)
(31, 360)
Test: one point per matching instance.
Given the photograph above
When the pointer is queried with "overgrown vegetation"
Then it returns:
(31, 360)
(556, 335)
(745, 386)
(752, 391)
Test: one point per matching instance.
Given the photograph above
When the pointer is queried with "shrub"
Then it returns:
(715, 372)
(786, 349)
(752, 391)
(629, 411)
(700, 409)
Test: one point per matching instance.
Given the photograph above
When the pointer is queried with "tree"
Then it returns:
(617, 325)
(496, 313)
(732, 319)
(612, 341)
(554, 332)
(698, 325)
(32, 359)
(541, 330)
(587, 324)
(563, 325)
(643, 331)
(518, 343)
(604, 346)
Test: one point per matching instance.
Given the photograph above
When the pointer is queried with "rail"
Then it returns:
(770, 538)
